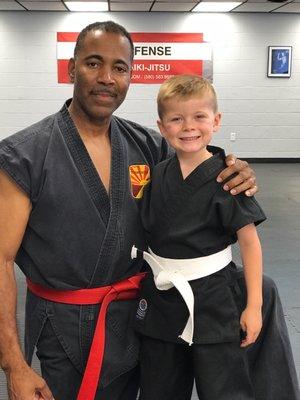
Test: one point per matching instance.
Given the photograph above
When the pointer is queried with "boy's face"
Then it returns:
(188, 125)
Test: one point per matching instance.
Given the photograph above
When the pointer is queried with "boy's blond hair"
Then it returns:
(183, 87)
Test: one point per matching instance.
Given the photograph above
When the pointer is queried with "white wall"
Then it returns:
(264, 112)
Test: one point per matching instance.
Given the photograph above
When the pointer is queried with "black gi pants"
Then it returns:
(64, 380)
(168, 371)
(269, 360)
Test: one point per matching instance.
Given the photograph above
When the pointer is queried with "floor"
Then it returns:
(280, 198)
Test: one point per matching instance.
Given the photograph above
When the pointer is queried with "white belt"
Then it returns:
(169, 272)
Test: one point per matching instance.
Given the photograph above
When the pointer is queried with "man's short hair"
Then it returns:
(104, 26)
(184, 87)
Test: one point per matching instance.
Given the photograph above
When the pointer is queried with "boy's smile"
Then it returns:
(190, 138)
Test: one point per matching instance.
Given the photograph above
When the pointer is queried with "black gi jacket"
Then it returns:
(192, 218)
(77, 236)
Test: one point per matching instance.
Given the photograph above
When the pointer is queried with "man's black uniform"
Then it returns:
(77, 237)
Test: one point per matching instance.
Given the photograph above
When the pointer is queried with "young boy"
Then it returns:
(193, 322)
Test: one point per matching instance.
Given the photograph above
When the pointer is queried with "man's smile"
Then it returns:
(104, 93)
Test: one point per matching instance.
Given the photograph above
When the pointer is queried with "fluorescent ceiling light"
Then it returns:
(216, 6)
(86, 6)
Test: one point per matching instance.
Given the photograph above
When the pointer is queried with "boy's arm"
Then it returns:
(251, 318)
(244, 179)
(15, 209)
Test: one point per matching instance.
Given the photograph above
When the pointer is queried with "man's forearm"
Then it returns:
(10, 350)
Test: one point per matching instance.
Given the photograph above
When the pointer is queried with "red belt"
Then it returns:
(124, 290)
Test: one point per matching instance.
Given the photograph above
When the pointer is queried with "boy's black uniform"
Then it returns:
(186, 219)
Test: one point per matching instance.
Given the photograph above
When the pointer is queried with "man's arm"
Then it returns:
(23, 382)
(244, 179)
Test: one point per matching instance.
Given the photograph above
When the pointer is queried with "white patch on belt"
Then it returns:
(141, 312)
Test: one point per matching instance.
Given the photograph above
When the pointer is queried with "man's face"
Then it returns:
(101, 74)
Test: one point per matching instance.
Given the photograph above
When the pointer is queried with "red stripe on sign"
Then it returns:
(150, 71)
(139, 37)
(67, 36)
(158, 37)
(62, 71)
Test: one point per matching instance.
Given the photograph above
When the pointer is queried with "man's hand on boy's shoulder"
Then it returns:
(244, 179)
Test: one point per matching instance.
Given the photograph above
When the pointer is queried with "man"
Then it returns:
(68, 216)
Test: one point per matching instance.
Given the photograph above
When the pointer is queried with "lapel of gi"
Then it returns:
(117, 194)
(109, 208)
(85, 166)
(176, 190)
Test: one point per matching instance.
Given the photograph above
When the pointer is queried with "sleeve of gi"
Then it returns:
(15, 163)
(22, 156)
(238, 211)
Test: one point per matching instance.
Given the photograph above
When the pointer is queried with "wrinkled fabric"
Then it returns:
(219, 370)
(77, 235)
(191, 218)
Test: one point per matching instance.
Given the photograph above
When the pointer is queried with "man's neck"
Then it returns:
(88, 127)
(96, 139)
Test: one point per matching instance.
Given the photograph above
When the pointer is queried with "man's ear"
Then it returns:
(71, 70)
(217, 121)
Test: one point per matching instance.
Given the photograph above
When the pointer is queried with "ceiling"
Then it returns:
(264, 6)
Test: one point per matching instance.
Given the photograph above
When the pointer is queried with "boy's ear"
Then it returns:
(160, 126)
(71, 70)
(217, 121)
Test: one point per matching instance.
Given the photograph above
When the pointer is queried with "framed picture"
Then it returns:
(279, 61)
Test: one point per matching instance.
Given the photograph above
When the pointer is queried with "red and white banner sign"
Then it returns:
(157, 57)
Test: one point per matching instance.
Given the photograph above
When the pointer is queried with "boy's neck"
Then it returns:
(189, 161)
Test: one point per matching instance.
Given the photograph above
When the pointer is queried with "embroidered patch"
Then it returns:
(139, 177)
(141, 312)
